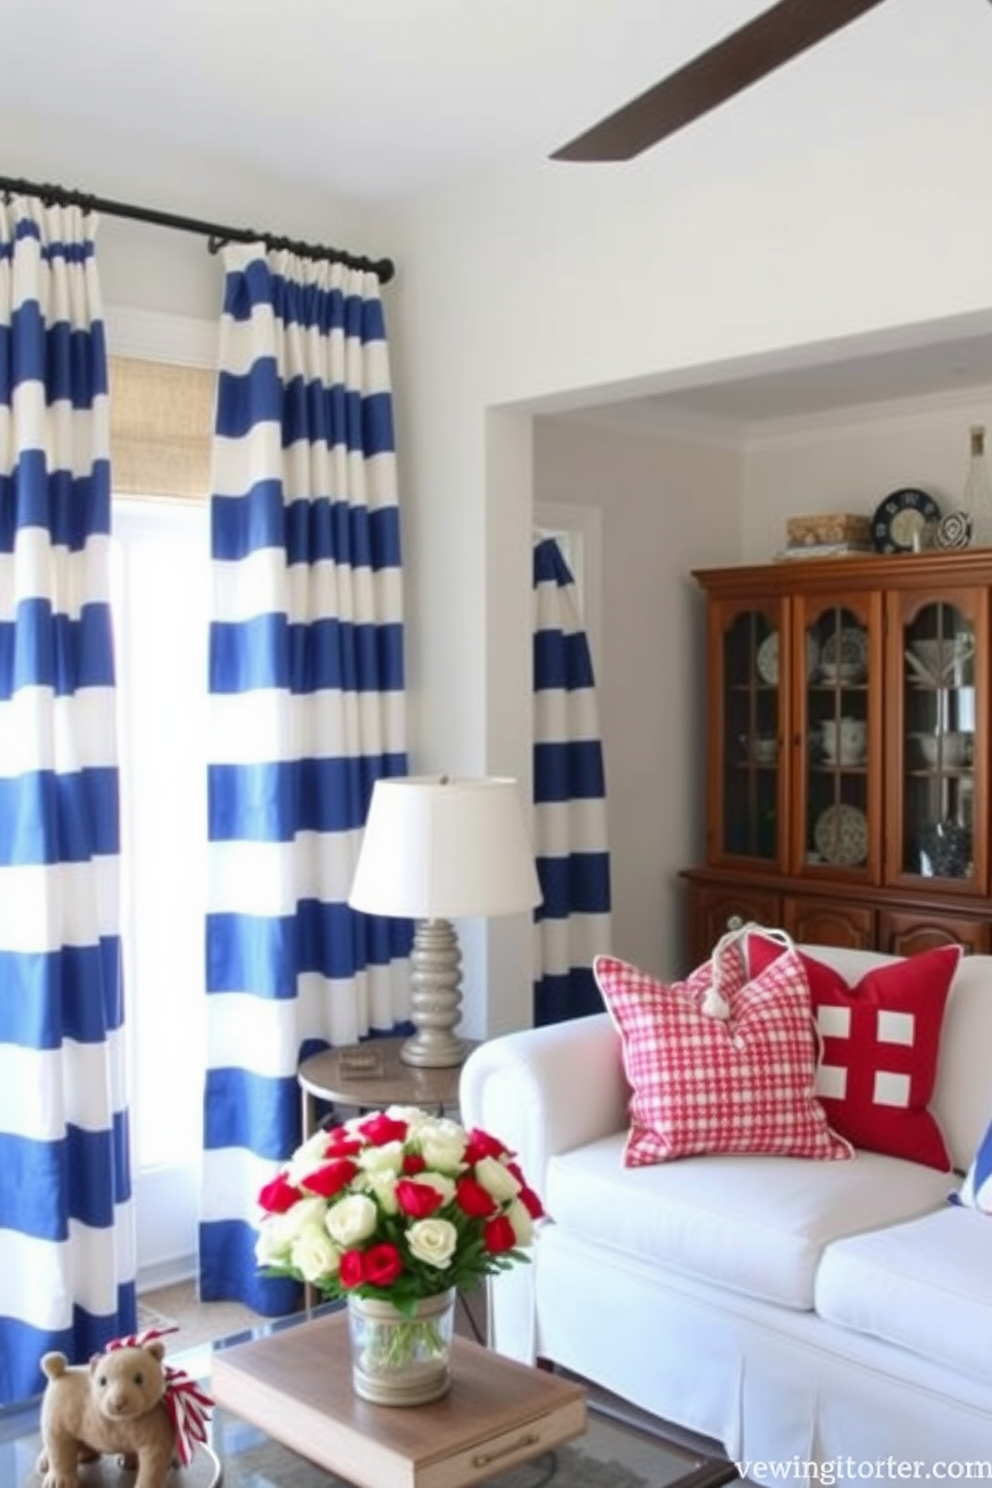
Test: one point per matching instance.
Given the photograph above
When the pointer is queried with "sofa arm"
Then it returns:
(547, 1090)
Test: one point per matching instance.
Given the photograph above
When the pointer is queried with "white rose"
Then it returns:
(383, 1187)
(351, 1220)
(315, 1255)
(496, 1179)
(442, 1144)
(523, 1225)
(412, 1115)
(374, 1159)
(433, 1241)
(312, 1147)
(272, 1245)
(305, 1212)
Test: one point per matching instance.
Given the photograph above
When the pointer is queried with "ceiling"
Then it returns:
(753, 398)
(381, 100)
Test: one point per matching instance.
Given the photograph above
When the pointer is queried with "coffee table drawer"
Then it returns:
(483, 1460)
(296, 1385)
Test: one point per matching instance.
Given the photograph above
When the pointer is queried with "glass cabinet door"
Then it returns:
(940, 715)
(834, 823)
(748, 795)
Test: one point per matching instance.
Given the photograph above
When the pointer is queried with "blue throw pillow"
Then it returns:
(976, 1190)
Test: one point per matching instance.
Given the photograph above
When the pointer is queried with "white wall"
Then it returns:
(850, 464)
(549, 287)
(542, 288)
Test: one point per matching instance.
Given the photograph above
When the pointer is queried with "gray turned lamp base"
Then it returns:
(436, 1000)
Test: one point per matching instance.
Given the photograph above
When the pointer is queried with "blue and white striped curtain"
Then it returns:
(66, 1225)
(573, 863)
(306, 712)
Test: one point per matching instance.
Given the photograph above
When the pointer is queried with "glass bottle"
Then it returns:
(976, 498)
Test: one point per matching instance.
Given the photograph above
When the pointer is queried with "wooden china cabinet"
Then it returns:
(848, 752)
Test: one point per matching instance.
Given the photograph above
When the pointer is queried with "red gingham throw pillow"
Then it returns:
(880, 1041)
(701, 1082)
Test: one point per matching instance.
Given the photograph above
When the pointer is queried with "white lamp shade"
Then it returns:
(437, 848)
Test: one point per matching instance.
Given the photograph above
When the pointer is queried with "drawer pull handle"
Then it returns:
(483, 1459)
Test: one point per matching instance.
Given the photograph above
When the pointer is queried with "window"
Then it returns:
(161, 600)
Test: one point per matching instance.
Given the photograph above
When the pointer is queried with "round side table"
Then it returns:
(327, 1077)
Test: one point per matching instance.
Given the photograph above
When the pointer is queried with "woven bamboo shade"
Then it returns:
(161, 425)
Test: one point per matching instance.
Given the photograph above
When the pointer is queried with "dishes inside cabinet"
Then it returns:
(845, 655)
(841, 836)
(945, 850)
(766, 657)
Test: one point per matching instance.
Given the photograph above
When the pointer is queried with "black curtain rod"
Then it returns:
(215, 234)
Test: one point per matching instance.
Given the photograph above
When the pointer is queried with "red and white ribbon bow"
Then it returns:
(188, 1406)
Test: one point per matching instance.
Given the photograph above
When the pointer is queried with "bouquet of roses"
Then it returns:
(398, 1205)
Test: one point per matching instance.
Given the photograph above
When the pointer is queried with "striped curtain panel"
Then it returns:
(306, 712)
(66, 1224)
(573, 865)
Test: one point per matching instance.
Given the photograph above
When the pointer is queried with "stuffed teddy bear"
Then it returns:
(125, 1401)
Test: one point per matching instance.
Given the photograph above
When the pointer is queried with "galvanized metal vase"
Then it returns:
(401, 1360)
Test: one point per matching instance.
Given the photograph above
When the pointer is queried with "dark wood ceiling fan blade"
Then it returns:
(740, 59)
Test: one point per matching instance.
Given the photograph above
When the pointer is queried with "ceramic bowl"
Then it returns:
(951, 749)
(764, 751)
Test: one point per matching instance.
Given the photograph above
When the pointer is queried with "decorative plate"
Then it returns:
(766, 657)
(847, 649)
(901, 520)
(953, 531)
(841, 836)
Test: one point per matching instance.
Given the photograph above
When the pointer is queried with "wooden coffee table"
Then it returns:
(296, 1386)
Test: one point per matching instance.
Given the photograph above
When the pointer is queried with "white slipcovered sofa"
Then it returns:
(788, 1309)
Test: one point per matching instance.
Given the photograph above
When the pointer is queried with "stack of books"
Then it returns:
(837, 535)
(823, 550)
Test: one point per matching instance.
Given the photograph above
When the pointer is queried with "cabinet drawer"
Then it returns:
(714, 911)
(829, 922)
(907, 932)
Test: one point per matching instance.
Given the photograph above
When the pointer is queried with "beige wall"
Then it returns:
(850, 464)
(665, 505)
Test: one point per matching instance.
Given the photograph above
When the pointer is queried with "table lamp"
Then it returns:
(435, 849)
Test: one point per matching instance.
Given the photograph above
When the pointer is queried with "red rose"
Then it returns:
(414, 1163)
(382, 1264)
(419, 1200)
(341, 1143)
(531, 1202)
(331, 1178)
(481, 1144)
(381, 1129)
(352, 1270)
(499, 1235)
(278, 1195)
(476, 1201)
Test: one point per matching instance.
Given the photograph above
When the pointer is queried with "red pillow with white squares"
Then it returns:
(879, 1045)
(702, 1083)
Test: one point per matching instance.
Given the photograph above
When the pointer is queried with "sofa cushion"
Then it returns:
(925, 1286)
(880, 1045)
(757, 1225)
(719, 1062)
(976, 1190)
